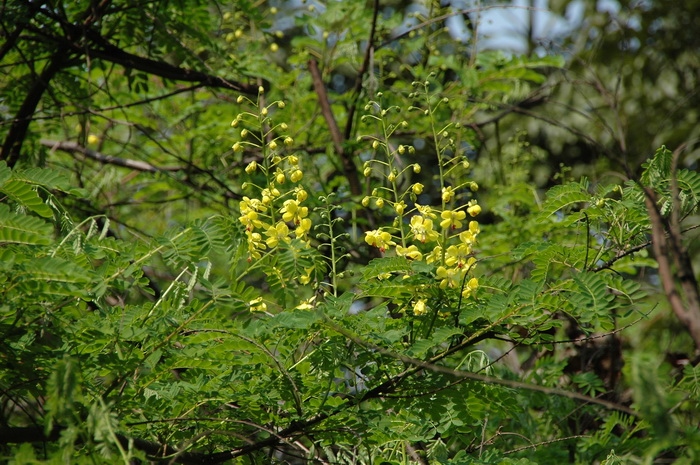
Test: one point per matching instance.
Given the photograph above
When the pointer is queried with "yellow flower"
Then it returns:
(380, 203)
(250, 220)
(417, 188)
(416, 168)
(276, 233)
(435, 255)
(422, 229)
(451, 219)
(474, 210)
(367, 171)
(92, 139)
(272, 145)
(237, 147)
(474, 228)
(280, 178)
(470, 287)
(301, 194)
(447, 193)
(257, 305)
(365, 201)
(449, 277)
(419, 307)
(425, 211)
(304, 227)
(250, 205)
(399, 207)
(306, 304)
(411, 252)
(291, 211)
(255, 245)
(457, 255)
(288, 141)
(379, 238)
(296, 176)
(252, 166)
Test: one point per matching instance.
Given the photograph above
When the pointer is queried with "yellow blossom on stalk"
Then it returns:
(293, 160)
(419, 307)
(411, 252)
(280, 178)
(451, 219)
(391, 177)
(458, 255)
(255, 245)
(250, 205)
(252, 166)
(257, 305)
(367, 171)
(303, 229)
(276, 233)
(470, 287)
(449, 277)
(250, 220)
(296, 176)
(426, 211)
(365, 201)
(399, 207)
(291, 211)
(272, 145)
(447, 193)
(422, 229)
(288, 141)
(306, 304)
(467, 238)
(474, 228)
(417, 188)
(380, 203)
(435, 255)
(379, 238)
(301, 194)
(474, 210)
(416, 168)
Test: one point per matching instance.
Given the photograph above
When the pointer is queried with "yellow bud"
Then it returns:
(263, 112)
(280, 178)
(284, 126)
(261, 90)
(274, 47)
(417, 188)
(474, 210)
(399, 208)
(302, 195)
(402, 149)
(230, 37)
(237, 147)
(391, 177)
(367, 171)
(416, 168)
(279, 34)
(365, 201)
(239, 99)
(288, 141)
(273, 11)
(227, 16)
(92, 139)
(380, 203)
(273, 145)
(252, 166)
(238, 33)
(235, 122)
(296, 176)
(281, 104)
(244, 132)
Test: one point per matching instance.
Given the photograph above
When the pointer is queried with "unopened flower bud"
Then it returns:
(375, 144)
(365, 201)
(380, 203)
(239, 99)
(273, 145)
(280, 178)
(288, 141)
(416, 168)
(281, 104)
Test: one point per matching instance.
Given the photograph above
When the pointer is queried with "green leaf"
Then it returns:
(26, 195)
(23, 229)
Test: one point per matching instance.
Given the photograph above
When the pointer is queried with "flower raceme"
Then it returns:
(378, 238)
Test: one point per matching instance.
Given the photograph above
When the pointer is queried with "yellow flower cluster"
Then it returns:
(275, 215)
(441, 236)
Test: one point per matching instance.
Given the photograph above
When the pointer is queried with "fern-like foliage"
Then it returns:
(566, 195)
(23, 229)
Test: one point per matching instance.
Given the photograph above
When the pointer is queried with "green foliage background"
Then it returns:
(132, 324)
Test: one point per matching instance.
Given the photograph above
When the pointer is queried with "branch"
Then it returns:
(348, 166)
(15, 136)
(688, 314)
(73, 147)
